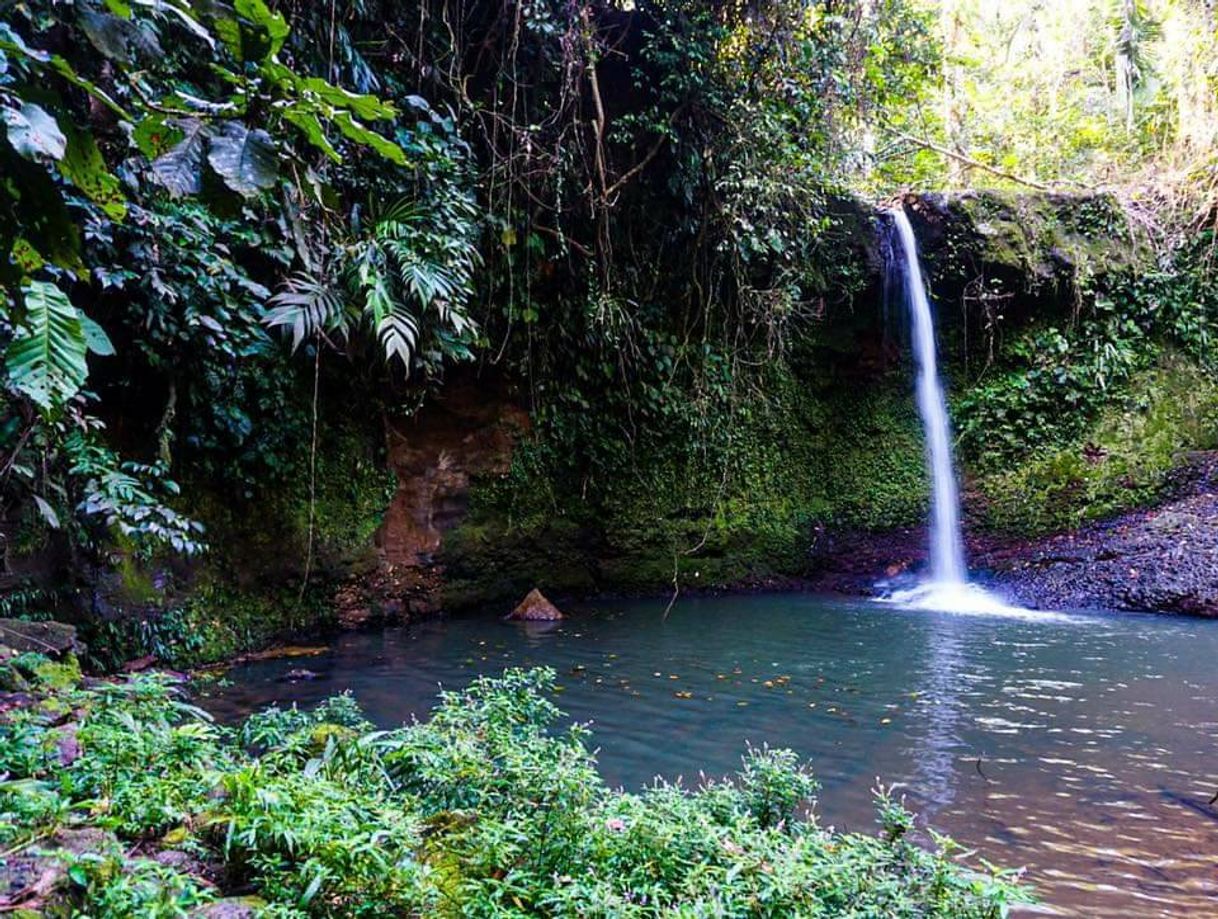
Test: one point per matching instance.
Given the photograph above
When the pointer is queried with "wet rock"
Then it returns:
(1160, 560)
(139, 664)
(231, 908)
(86, 839)
(35, 879)
(536, 608)
(27, 881)
(299, 674)
(54, 639)
(67, 747)
(183, 862)
(15, 702)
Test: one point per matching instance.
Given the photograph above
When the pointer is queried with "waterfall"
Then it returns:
(946, 546)
(947, 587)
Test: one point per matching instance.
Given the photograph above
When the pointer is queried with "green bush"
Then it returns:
(490, 808)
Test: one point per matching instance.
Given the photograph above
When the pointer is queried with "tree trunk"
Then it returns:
(1124, 64)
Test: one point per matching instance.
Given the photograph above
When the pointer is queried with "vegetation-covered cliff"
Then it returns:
(337, 316)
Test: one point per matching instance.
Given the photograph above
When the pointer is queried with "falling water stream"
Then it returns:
(947, 587)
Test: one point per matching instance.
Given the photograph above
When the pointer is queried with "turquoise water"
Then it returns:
(1084, 747)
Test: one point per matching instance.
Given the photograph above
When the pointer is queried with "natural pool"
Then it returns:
(1085, 747)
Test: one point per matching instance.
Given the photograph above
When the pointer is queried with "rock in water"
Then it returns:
(536, 608)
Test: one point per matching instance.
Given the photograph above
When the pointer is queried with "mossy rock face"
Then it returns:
(488, 559)
(35, 670)
(59, 675)
(1132, 455)
(1009, 257)
(807, 459)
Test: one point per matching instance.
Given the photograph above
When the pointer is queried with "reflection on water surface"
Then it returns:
(1082, 747)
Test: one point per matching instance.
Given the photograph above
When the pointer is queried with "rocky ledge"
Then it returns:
(1163, 560)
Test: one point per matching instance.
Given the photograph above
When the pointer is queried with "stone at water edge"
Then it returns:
(536, 608)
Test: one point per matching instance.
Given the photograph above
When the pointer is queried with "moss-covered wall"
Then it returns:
(247, 589)
(833, 444)
(1130, 455)
(802, 459)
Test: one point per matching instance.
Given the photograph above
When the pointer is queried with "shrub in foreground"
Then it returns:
(490, 808)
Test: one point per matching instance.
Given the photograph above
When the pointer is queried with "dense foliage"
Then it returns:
(242, 238)
(490, 808)
(167, 168)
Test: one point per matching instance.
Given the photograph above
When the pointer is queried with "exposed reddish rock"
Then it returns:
(536, 608)
(468, 430)
(139, 664)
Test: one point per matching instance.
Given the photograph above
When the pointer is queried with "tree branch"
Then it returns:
(969, 161)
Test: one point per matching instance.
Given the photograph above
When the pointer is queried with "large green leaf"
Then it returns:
(398, 334)
(46, 225)
(244, 159)
(181, 169)
(46, 359)
(181, 9)
(155, 135)
(34, 133)
(96, 339)
(355, 131)
(361, 105)
(308, 124)
(119, 38)
(84, 167)
(255, 34)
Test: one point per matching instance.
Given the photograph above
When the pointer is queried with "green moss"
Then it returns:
(246, 591)
(320, 736)
(746, 509)
(1045, 245)
(58, 675)
(265, 535)
(1125, 459)
(216, 622)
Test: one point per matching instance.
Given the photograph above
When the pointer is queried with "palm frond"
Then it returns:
(398, 334)
(307, 305)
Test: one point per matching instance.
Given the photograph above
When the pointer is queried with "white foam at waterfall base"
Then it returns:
(950, 597)
(948, 588)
